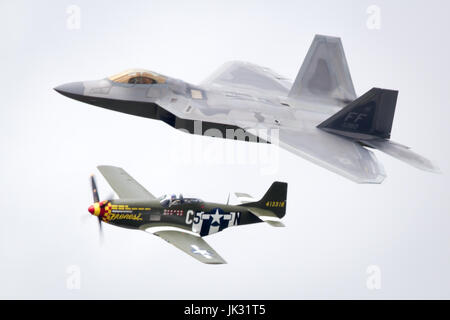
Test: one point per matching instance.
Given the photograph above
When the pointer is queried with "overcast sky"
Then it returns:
(335, 230)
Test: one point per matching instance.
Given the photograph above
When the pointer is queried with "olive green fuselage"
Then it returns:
(201, 217)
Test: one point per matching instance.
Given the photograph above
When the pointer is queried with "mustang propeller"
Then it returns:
(98, 208)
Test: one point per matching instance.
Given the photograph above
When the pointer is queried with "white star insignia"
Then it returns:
(205, 253)
(216, 217)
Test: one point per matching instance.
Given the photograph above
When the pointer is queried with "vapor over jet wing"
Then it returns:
(190, 243)
(124, 184)
(244, 76)
(342, 156)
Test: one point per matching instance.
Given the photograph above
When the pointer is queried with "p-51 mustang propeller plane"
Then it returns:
(183, 222)
(318, 117)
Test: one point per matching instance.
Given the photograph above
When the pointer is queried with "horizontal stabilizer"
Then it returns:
(267, 216)
(403, 153)
(244, 197)
(366, 118)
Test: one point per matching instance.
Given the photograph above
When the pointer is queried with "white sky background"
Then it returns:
(335, 228)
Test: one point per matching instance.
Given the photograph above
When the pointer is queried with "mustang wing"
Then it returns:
(188, 242)
(244, 76)
(124, 184)
(334, 153)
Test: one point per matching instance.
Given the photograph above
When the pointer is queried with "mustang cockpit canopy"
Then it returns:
(138, 76)
(168, 201)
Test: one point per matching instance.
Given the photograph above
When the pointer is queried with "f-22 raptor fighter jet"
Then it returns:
(183, 222)
(318, 117)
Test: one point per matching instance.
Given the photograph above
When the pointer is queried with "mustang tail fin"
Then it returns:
(368, 117)
(272, 207)
(324, 74)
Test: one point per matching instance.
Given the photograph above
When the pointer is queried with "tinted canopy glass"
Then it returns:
(136, 76)
(168, 201)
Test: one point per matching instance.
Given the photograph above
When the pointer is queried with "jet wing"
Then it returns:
(244, 76)
(334, 153)
(124, 184)
(190, 243)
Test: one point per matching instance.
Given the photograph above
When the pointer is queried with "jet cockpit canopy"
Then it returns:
(138, 76)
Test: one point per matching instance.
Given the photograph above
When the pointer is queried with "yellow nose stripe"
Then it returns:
(96, 209)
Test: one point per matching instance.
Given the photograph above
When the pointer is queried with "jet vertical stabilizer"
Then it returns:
(324, 74)
(368, 120)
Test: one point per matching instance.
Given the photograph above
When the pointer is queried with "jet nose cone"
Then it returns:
(70, 89)
(91, 209)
